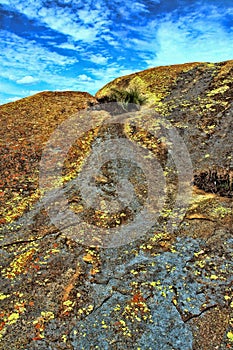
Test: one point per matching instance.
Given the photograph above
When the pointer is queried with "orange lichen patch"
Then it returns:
(2, 324)
(40, 322)
(92, 257)
(20, 306)
(71, 283)
(67, 305)
(196, 216)
(88, 258)
(137, 299)
(136, 310)
(9, 319)
(19, 264)
(94, 271)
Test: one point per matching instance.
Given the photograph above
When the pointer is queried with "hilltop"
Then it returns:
(197, 99)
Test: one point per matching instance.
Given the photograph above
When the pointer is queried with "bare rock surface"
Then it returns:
(164, 290)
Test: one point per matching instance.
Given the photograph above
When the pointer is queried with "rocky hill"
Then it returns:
(197, 98)
(169, 288)
(26, 126)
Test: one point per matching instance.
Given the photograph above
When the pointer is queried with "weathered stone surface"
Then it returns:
(165, 290)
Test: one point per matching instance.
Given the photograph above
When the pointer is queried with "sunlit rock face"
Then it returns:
(96, 272)
(197, 99)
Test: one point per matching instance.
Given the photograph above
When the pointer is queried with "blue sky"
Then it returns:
(82, 45)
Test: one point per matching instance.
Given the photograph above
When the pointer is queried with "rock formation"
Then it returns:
(168, 288)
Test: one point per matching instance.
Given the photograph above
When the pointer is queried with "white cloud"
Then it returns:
(140, 7)
(24, 52)
(87, 22)
(179, 44)
(98, 59)
(20, 57)
(109, 38)
(28, 79)
(84, 78)
(69, 46)
(80, 24)
(25, 62)
(197, 34)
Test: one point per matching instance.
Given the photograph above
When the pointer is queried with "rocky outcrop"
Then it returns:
(169, 287)
(197, 99)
